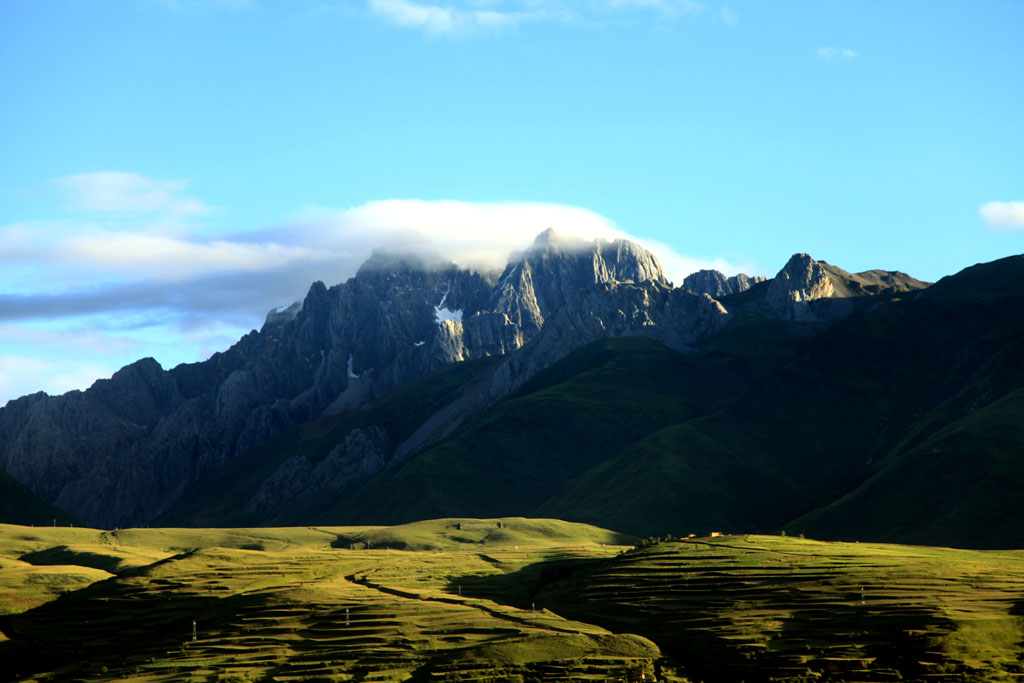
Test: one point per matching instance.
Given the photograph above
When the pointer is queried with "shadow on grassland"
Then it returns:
(527, 587)
(62, 554)
(721, 628)
(112, 623)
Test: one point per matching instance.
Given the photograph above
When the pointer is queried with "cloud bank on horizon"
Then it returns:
(134, 269)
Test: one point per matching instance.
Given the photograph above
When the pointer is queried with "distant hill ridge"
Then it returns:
(128, 449)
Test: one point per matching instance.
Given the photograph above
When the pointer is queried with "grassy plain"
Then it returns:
(498, 600)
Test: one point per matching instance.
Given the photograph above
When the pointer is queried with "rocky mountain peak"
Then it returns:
(388, 261)
(800, 281)
(810, 290)
(554, 270)
(400, 317)
(588, 262)
(283, 314)
(550, 238)
(715, 284)
(801, 271)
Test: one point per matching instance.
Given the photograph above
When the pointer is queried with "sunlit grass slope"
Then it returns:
(299, 604)
(768, 608)
(499, 600)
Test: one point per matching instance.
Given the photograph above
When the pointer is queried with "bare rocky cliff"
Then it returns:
(123, 451)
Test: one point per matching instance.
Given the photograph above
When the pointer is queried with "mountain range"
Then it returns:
(577, 383)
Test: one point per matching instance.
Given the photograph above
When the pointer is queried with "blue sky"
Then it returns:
(170, 170)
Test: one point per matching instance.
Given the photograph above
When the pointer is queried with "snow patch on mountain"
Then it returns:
(443, 313)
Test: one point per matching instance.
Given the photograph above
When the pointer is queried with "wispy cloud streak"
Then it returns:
(119, 192)
(836, 54)
(465, 17)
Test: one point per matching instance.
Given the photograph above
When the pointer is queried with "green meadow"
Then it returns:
(498, 600)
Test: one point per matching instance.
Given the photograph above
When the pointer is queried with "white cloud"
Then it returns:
(87, 268)
(463, 17)
(165, 258)
(54, 257)
(836, 54)
(448, 20)
(469, 233)
(664, 6)
(728, 16)
(321, 243)
(128, 226)
(120, 192)
(430, 17)
(83, 296)
(1003, 215)
(477, 234)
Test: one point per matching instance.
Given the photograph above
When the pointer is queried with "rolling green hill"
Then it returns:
(299, 605)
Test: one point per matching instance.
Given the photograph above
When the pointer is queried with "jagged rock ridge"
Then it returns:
(123, 451)
(717, 285)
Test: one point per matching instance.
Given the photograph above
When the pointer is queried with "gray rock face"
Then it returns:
(122, 452)
(717, 285)
(541, 280)
(676, 317)
(800, 281)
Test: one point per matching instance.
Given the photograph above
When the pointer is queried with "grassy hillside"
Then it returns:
(764, 608)
(499, 600)
(521, 452)
(18, 505)
(299, 605)
(963, 484)
(629, 434)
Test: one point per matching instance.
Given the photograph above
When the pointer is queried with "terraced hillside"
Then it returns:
(299, 605)
(766, 608)
(498, 600)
